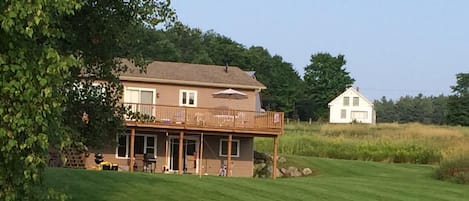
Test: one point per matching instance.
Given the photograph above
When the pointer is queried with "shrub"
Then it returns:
(455, 169)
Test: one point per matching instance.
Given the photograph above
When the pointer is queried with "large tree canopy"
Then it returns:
(32, 72)
(98, 33)
(50, 53)
(325, 78)
(184, 44)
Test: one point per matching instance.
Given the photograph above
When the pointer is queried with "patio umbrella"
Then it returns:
(230, 94)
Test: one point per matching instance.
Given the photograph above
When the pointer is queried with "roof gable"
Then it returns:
(353, 91)
(193, 74)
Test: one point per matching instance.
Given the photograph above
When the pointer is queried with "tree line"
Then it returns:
(51, 53)
(325, 77)
(451, 110)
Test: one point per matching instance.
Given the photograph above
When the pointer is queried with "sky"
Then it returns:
(393, 48)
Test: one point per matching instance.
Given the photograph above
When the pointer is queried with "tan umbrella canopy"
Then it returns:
(230, 94)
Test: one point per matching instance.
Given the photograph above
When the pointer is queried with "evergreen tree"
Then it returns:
(458, 104)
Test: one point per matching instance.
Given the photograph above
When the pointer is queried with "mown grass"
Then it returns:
(399, 143)
(336, 180)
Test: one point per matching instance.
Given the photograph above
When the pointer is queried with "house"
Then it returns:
(351, 106)
(177, 116)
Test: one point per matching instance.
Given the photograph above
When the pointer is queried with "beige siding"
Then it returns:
(169, 95)
(242, 166)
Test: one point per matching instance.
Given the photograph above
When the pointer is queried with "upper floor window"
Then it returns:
(356, 101)
(346, 101)
(188, 98)
(144, 96)
(139, 95)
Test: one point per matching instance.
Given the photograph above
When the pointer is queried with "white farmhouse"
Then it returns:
(351, 106)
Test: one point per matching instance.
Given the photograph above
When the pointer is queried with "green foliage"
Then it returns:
(422, 109)
(32, 73)
(184, 44)
(406, 143)
(50, 54)
(458, 104)
(454, 168)
(337, 180)
(325, 78)
(99, 33)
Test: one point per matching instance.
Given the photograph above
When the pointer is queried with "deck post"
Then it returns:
(228, 165)
(274, 158)
(201, 153)
(166, 147)
(132, 145)
(181, 145)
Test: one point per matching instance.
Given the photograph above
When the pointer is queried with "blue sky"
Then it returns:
(393, 48)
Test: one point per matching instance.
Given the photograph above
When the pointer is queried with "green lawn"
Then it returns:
(335, 180)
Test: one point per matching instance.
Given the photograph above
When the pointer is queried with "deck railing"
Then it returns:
(210, 118)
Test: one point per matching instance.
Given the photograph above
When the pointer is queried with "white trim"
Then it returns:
(140, 89)
(355, 92)
(170, 159)
(237, 146)
(126, 147)
(127, 141)
(181, 91)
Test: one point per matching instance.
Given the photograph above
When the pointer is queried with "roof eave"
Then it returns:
(193, 83)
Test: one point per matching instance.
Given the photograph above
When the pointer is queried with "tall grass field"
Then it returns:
(397, 143)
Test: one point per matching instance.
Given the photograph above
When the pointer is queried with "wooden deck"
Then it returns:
(204, 119)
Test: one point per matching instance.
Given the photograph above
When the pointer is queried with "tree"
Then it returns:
(423, 109)
(32, 70)
(50, 54)
(385, 110)
(98, 33)
(440, 109)
(458, 103)
(325, 78)
(185, 44)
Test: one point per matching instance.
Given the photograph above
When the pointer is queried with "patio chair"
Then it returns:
(149, 162)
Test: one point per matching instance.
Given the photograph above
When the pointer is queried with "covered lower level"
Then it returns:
(184, 152)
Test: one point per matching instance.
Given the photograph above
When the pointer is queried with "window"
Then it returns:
(355, 101)
(140, 95)
(224, 147)
(143, 144)
(346, 101)
(359, 115)
(150, 142)
(343, 114)
(188, 98)
(122, 148)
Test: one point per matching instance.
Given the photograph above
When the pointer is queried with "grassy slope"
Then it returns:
(337, 180)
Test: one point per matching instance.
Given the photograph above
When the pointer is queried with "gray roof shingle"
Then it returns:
(195, 74)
